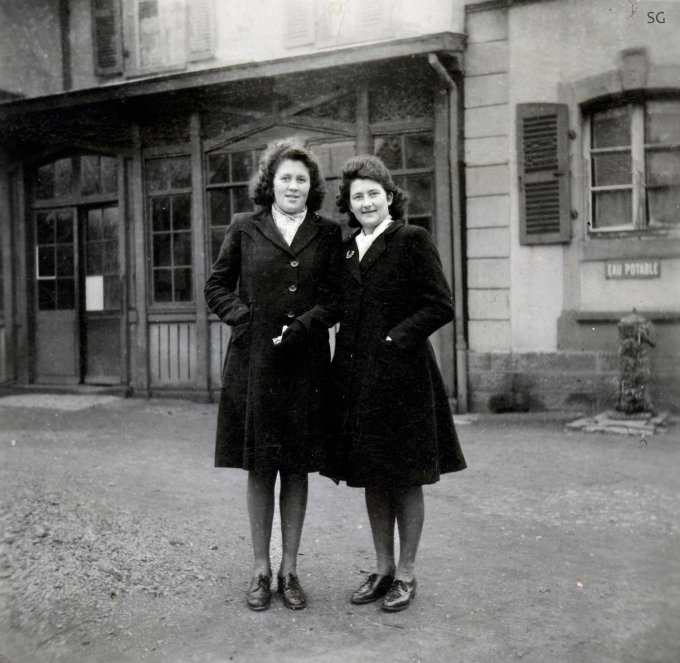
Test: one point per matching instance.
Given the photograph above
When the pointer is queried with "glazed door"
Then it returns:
(101, 301)
(57, 324)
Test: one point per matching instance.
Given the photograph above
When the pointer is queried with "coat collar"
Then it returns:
(352, 263)
(304, 235)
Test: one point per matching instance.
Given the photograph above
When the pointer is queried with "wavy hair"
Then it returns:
(369, 167)
(261, 187)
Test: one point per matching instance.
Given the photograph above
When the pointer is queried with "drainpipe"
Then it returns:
(456, 219)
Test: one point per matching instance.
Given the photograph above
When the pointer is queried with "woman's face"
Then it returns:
(370, 203)
(291, 186)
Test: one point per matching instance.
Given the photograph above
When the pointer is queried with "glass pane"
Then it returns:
(664, 206)
(419, 151)
(94, 224)
(181, 249)
(611, 128)
(111, 292)
(339, 153)
(180, 173)
(181, 212)
(89, 175)
(66, 294)
(161, 250)
(609, 169)
(220, 209)
(109, 174)
(663, 122)
(110, 257)
(389, 150)
(241, 166)
(44, 228)
(162, 285)
(64, 227)
(110, 223)
(217, 236)
(218, 168)
(160, 214)
(420, 195)
(65, 265)
(63, 172)
(46, 262)
(94, 259)
(663, 168)
(612, 208)
(183, 285)
(157, 175)
(47, 295)
(44, 182)
(239, 199)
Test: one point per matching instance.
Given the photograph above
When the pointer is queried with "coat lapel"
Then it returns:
(305, 234)
(351, 258)
(268, 228)
(376, 249)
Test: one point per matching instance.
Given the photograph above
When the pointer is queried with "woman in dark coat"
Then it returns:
(392, 429)
(272, 284)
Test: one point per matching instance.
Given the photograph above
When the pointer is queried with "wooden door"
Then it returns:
(57, 324)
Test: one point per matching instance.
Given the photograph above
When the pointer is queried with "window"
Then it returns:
(101, 254)
(168, 183)
(89, 175)
(634, 158)
(227, 184)
(55, 264)
(410, 158)
(332, 157)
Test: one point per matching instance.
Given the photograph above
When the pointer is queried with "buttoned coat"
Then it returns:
(270, 405)
(391, 423)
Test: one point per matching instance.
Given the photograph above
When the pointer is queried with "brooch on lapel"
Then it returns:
(349, 254)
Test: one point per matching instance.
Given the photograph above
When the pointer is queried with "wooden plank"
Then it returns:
(24, 362)
(219, 341)
(123, 272)
(6, 242)
(364, 140)
(141, 372)
(201, 372)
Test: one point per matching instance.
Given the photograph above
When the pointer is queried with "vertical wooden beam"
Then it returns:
(198, 225)
(6, 242)
(442, 233)
(123, 272)
(364, 140)
(23, 244)
(64, 30)
(141, 364)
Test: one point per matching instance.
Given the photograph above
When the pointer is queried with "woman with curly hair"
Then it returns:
(391, 429)
(272, 284)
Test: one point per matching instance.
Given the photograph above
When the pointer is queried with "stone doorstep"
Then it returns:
(603, 423)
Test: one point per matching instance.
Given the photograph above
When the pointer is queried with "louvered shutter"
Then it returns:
(106, 31)
(543, 162)
(201, 19)
(299, 23)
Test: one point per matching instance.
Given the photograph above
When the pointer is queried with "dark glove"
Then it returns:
(293, 337)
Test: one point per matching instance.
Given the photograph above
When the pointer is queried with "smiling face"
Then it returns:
(370, 203)
(291, 186)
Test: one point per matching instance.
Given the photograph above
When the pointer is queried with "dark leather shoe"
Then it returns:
(399, 595)
(291, 592)
(374, 588)
(259, 595)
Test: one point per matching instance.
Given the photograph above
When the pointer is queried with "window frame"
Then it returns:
(639, 223)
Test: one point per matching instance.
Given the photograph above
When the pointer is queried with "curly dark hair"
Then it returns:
(262, 185)
(369, 167)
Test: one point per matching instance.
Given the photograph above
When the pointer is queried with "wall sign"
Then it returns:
(632, 269)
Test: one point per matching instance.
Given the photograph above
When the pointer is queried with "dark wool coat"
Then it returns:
(270, 406)
(391, 423)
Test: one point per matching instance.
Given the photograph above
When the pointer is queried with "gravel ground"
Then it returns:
(119, 542)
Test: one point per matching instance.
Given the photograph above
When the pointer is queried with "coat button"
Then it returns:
(292, 287)
(294, 263)
(291, 314)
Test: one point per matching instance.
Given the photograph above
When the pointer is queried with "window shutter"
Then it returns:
(299, 23)
(201, 18)
(106, 30)
(543, 162)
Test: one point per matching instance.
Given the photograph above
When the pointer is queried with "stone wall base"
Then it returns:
(579, 381)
